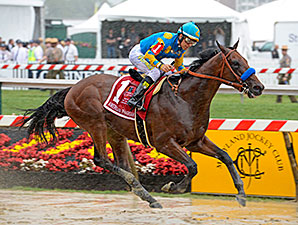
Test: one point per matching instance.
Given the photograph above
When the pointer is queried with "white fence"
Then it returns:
(268, 78)
(60, 84)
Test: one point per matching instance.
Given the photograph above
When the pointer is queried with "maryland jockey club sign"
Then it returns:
(260, 158)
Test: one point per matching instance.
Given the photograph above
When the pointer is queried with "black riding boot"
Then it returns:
(139, 93)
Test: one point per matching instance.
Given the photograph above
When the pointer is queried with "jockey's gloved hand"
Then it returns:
(166, 68)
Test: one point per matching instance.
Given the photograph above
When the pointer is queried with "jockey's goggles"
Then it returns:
(190, 41)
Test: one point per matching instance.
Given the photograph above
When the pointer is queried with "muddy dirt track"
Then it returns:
(53, 207)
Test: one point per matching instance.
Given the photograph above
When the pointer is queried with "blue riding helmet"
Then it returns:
(190, 30)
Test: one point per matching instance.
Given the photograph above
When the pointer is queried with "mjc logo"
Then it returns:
(247, 162)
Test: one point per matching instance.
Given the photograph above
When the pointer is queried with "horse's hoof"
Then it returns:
(241, 200)
(155, 205)
(168, 187)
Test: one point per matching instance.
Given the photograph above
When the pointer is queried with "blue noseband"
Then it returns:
(250, 71)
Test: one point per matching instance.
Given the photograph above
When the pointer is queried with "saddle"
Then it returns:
(123, 89)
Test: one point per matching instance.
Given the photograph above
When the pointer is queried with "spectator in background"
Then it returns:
(202, 44)
(15, 50)
(274, 52)
(71, 54)
(42, 45)
(284, 78)
(53, 55)
(35, 54)
(210, 39)
(142, 34)
(150, 31)
(219, 35)
(5, 55)
(123, 43)
(207, 40)
(10, 44)
(61, 45)
(48, 43)
(111, 44)
(38, 51)
(31, 56)
(19, 53)
(133, 36)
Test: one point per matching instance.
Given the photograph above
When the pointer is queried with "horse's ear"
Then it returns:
(236, 44)
(222, 48)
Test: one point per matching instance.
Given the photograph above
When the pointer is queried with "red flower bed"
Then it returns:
(4, 140)
(77, 156)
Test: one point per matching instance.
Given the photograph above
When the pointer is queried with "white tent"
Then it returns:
(261, 20)
(18, 19)
(92, 24)
(169, 11)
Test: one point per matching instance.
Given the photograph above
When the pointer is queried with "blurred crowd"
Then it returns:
(50, 50)
(118, 44)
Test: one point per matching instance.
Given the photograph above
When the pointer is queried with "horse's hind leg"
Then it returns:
(207, 147)
(98, 132)
(122, 153)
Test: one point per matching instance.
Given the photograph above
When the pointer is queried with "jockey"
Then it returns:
(146, 56)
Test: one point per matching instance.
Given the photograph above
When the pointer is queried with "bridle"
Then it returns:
(240, 85)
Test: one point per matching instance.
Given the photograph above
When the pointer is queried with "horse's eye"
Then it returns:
(235, 64)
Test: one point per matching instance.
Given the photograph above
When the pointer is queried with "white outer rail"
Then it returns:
(60, 84)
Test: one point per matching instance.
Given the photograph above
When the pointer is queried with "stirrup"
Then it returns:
(139, 107)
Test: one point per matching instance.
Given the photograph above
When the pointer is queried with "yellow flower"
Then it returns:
(63, 147)
(156, 155)
(111, 155)
(17, 148)
(133, 142)
(91, 150)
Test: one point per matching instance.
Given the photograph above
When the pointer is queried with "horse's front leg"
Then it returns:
(207, 147)
(172, 149)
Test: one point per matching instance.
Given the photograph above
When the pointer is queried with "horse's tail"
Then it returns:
(44, 116)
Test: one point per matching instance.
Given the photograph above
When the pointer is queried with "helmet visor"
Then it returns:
(190, 41)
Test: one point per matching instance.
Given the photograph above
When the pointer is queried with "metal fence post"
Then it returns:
(292, 158)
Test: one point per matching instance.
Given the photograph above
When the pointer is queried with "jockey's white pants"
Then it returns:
(136, 57)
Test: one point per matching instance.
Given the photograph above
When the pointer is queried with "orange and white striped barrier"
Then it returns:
(109, 67)
(75, 67)
(214, 124)
(253, 125)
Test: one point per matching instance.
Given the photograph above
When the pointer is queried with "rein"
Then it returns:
(240, 85)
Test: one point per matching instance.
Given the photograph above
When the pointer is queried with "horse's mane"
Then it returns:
(203, 57)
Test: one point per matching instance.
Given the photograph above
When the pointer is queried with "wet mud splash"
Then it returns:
(53, 207)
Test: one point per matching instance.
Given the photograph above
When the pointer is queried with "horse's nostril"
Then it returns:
(257, 89)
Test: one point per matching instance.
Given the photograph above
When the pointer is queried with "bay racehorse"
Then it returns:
(174, 119)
